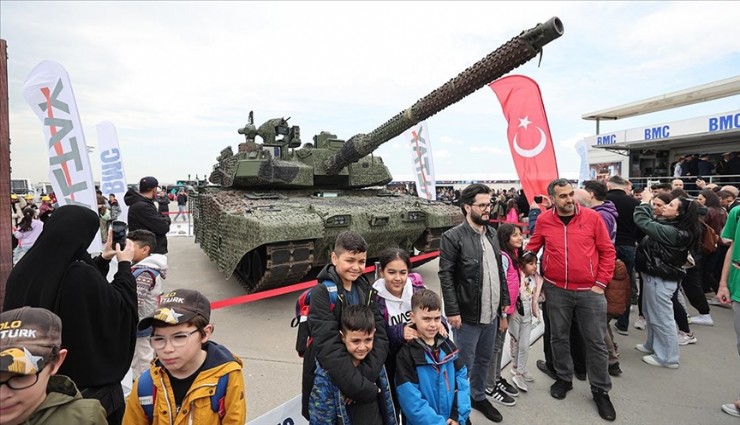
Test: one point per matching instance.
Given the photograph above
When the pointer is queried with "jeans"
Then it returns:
(181, 211)
(626, 253)
(590, 309)
(475, 344)
(662, 338)
(577, 350)
(679, 313)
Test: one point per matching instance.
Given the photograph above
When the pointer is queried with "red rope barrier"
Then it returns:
(243, 299)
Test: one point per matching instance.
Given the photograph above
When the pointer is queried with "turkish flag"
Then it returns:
(529, 133)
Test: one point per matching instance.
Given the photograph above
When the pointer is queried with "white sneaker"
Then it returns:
(640, 323)
(527, 377)
(686, 339)
(520, 383)
(641, 348)
(702, 319)
(653, 362)
(731, 410)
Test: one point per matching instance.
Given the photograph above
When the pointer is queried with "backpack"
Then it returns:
(148, 395)
(302, 308)
(709, 239)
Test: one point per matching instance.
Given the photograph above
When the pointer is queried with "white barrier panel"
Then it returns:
(288, 413)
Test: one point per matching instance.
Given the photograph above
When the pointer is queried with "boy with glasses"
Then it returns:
(30, 390)
(189, 370)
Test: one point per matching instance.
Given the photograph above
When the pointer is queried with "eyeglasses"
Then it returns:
(21, 382)
(482, 206)
(178, 340)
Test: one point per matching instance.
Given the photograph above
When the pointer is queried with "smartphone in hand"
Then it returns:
(119, 234)
(538, 199)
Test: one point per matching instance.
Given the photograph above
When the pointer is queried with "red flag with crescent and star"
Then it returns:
(529, 133)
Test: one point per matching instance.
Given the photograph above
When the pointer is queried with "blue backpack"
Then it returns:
(148, 395)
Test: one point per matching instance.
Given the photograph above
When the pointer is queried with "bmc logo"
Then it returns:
(726, 122)
(657, 132)
(609, 139)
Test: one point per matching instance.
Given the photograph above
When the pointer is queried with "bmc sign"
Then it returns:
(660, 132)
(724, 122)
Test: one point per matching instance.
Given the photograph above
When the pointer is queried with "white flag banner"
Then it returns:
(288, 413)
(113, 178)
(421, 156)
(582, 149)
(49, 93)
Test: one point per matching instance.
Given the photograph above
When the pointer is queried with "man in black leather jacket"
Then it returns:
(474, 290)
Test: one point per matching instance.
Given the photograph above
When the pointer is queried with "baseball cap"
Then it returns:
(147, 183)
(28, 336)
(177, 307)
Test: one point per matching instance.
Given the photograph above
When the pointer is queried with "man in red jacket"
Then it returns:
(577, 264)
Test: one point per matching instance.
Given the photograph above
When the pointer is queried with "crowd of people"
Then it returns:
(381, 352)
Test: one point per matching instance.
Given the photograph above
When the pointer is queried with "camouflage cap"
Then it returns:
(177, 307)
(28, 336)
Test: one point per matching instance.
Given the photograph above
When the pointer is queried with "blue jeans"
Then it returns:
(590, 309)
(475, 343)
(626, 253)
(658, 309)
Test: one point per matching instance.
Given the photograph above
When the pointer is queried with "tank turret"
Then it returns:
(333, 163)
(279, 206)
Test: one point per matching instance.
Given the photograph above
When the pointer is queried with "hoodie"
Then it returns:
(608, 212)
(142, 214)
(395, 310)
(149, 273)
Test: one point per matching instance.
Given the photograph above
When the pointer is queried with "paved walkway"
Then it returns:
(260, 333)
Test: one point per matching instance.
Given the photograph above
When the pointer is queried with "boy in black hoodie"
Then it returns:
(346, 273)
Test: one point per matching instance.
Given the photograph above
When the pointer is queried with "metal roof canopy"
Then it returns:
(702, 93)
(701, 142)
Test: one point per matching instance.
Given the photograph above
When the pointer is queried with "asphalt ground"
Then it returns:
(259, 332)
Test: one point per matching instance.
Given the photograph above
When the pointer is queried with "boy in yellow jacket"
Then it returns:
(182, 383)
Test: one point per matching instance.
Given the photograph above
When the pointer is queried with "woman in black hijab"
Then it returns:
(99, 318)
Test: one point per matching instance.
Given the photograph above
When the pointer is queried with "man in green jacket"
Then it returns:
(30, 356)
(729, 286)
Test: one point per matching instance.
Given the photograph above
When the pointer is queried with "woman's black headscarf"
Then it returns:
(35, 280)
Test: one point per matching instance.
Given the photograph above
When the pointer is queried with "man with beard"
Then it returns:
(577, 265)
(143, 214)
(474, 289)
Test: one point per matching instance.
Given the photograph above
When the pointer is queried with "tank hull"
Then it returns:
(277, 238)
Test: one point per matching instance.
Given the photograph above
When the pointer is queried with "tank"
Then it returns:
(276, 205)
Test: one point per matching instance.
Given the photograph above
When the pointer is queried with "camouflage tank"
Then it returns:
(279, 204)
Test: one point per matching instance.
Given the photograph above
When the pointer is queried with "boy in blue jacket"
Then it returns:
(431, 379)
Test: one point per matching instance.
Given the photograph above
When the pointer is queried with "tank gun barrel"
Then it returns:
(511, 55)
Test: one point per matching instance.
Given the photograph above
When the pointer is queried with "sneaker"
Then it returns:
(620, 330)
(640, 323)
(604, 405)
(653, 362)
(527, 377)
(542, 366)
(560, 388)
(731, 410)
(686, 339)
(489, 391)
(499, 396)
(486, 408)
(614, 369)
(702, 319)
(506, 387)
(520, 383)
(641, 348)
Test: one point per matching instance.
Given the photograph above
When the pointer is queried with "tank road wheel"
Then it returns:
(430, 239)
(275, 265)
(251, 268)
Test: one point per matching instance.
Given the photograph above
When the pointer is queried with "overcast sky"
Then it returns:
(178, 78)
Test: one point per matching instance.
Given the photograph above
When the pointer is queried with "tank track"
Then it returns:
(275, 265)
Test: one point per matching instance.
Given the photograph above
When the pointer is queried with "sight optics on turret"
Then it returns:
(280, 204)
